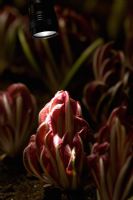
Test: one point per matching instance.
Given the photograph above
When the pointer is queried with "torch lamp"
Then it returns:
(43, 20)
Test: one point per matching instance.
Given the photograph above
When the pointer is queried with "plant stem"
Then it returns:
(50, 57)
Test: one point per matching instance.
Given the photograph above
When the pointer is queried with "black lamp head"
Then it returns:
(43, 20)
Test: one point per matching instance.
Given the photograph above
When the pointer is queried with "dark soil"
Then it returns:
(17, 184)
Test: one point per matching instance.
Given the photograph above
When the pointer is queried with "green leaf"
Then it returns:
(27, 50)
(80, 61)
